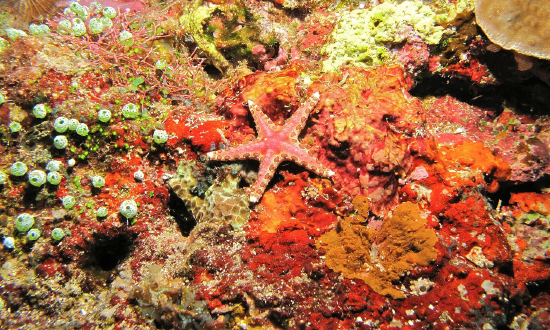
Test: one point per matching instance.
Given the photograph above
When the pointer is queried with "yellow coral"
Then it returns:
(520, 25)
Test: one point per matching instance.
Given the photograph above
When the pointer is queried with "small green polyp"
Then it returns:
(58, 234)
(24, 222)
(33, 234)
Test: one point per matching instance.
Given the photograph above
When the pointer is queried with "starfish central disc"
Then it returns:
(273, 145)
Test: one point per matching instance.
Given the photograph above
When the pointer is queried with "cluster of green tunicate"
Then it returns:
(361, 35)
(54, 178)
(8, 242)
(54, 166)
(64, 124)
(61, 124)
(160, 64)
(109, 12)
(15, 127)
(130, 111)
(40, 110)
(73, 124)
(82, 129)
(96, 25)
(14, 33)
(68, 201)
(3, 178)
(18, 169)
(128, 208)
(102, 212)
(33, 234)
(39, 29)
(126, 38)
(58, 234)
(64, 26)
(160, 136)
(38, 178)
(24, 222)
(80, 19)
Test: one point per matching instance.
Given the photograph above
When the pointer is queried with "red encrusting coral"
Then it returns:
(280, 243)
(203, 132)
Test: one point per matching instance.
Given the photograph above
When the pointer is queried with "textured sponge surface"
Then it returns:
(520, 25)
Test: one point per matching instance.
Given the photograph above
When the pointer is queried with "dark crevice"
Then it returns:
(212, 71)
(108, 251)
(525, 92)
(184, 219)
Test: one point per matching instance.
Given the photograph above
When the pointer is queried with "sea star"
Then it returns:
(273, 145)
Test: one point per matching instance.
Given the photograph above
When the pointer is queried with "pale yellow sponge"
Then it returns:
(361, 36)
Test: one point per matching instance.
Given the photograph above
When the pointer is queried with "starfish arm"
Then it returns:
(298, 120)
(244, 151)
(262, 121)
(265, 174)
(302, 157)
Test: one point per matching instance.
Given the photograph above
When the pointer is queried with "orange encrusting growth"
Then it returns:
(475, 156)
(203, 134)
(532, 202)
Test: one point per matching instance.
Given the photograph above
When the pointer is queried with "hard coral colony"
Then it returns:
(403, 176)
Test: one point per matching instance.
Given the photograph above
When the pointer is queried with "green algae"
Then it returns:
(225, 33)
(362, 36)
(192, 22)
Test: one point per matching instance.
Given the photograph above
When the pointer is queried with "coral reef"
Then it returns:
(225, 32)
(27, 11)
(362, 36)
(403, 182)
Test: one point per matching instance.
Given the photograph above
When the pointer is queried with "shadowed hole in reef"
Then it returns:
(212, 71)
(107, 252)
(536, 288)
(523, 91)
(185, 220)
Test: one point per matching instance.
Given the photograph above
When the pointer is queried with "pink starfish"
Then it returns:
(273, 145)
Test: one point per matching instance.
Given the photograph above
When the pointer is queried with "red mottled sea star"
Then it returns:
(273, 145)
